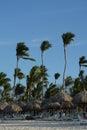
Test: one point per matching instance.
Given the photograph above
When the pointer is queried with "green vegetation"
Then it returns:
(37, 85)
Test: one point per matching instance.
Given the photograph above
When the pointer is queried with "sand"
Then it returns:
(41, 125)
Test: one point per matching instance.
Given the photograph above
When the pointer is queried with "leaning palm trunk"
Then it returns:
(64, 87)
(42, 72)
(42, 58)
(15, 75)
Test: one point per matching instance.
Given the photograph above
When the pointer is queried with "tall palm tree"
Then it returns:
(21, 52)
(56, 76)
(6, 92)
(32, 79)
(3, 79)
(82, 62)
(67, 38)
(45, 45)
(36, 93)
(20, 89)
(76, 86)
(4, 82)
(68, 81)
(20, 75)
(51, 91)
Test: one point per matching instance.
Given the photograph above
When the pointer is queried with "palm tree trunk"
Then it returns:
(42, 58)
(15, 75)
(55, 81)
(79, 68)
(42, 72)
(64, 87)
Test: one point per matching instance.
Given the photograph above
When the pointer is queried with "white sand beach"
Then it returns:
(40, 125)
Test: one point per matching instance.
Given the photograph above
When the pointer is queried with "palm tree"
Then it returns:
(4, 82)
(6, 92)
(3, 79)
(82, 62)
(76, 87)
(51, 91)
(45, 45)
(68, 82)
(67, 38)
(32, 79)
(56, 76)
(36, 92)
(20, 89)
(20, 75)
(21, 52)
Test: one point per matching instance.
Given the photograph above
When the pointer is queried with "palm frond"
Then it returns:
(27, 58)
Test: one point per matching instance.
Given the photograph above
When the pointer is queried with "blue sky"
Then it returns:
(33, 21)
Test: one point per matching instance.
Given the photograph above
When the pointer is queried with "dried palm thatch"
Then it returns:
(12, 108)
(3, 105)
(51, 105)
(22, 104)
(66, 105)
(34, 105)
(62, 97)
(80, 98)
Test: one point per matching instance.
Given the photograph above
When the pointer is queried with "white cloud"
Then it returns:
(7, 42)
(36, 40)
(81, 43)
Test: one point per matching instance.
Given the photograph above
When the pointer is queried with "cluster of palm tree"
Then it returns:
(37, 85)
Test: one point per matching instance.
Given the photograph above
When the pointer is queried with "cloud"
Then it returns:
(81, 43)
(7, 42)
(36, 40)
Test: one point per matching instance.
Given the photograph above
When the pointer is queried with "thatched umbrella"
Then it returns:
(80, 99)
(22, 105)
(53, 105)
(33, 105)
(3, 105)
(12, 108)
(64, 99)
(66, 105)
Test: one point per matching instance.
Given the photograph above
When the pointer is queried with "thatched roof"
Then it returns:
(22, 104)
(33, 105)
(51, 105)
(60, 100)
(12, 107)
(62, 97)
(80, 98)
(3, 105)
(67, 105)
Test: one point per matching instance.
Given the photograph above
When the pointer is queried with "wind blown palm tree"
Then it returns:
(20, 74)
(33, 78)
(20, 89)
(21, 52)
(56, 76)
(45, 45)
(51, 91)
(67, 38)
(3, 79)
(82, 62)
(4, 82)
